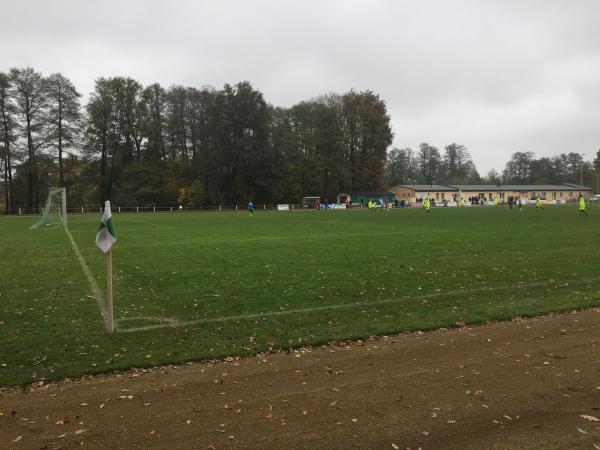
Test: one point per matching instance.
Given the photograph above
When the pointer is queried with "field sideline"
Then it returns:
(194, 286)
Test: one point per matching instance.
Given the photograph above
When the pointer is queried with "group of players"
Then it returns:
(511, 201)
(372, 205)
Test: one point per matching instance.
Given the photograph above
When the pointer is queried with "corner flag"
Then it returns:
(107, 235)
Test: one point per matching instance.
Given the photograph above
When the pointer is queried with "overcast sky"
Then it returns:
(496, 76)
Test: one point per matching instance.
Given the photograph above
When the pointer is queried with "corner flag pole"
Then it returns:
(109, 292)
(105, 238)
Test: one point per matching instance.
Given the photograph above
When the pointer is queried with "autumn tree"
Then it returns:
(429, 160)
(366, 137)
(102, 135)
(400, 166)
(63, 117)
(29, 91)
(518, 169)
(7, 139)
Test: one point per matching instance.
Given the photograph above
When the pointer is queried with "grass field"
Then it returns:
(195, 286)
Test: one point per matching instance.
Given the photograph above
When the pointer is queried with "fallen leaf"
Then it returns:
(590, 418)
(582, 431)
(80, 431)
(17, 439)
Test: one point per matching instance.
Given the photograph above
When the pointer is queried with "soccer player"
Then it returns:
(427, 204)
(582, 209)
(520, 204)
(461, 202)
(538, 203)
(251, 208)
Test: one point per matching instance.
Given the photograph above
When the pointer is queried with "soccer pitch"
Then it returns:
(192, 286)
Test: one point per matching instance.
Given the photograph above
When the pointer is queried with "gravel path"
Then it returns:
(531, 383)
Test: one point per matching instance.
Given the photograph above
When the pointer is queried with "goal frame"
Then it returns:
(55, 195)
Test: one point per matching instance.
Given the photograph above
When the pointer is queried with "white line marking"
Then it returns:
(169, 322)
(88, 274)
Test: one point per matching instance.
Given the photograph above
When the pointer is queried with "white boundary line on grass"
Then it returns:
(169, 322)
(88, 274)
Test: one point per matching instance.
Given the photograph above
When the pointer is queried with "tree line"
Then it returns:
(455, 166)
(151, 145)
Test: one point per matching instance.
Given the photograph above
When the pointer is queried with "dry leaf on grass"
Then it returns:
(590, 418)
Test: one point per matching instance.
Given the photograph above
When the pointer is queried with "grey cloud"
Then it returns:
(497, 76)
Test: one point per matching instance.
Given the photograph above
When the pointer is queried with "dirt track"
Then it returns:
(510, 385)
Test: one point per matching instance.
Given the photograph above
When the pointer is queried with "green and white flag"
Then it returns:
(106, 236)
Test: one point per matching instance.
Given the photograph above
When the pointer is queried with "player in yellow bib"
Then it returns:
(538, 203)
(427, 204)
(582, 209)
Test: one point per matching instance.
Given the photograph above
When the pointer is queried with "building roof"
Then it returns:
(475, 187)
(518, 187)
(577, 187)
(484, 188)
(427, 187)
(371, 193)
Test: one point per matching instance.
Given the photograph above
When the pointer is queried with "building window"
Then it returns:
(570, 194)
(561, 195)
(554, 196)
(501, 194)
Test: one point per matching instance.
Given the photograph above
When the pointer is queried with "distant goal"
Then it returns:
(55, 211)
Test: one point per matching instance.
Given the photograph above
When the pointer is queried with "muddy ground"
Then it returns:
(523, 384)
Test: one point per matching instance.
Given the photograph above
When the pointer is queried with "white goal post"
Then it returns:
(55, 211)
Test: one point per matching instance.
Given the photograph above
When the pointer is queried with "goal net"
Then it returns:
(55, 212)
